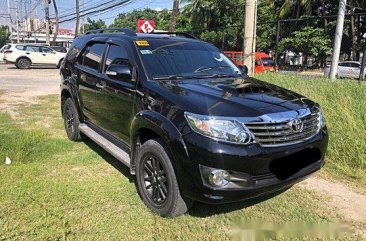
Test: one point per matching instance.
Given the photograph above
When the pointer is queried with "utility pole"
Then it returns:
(363, 64)
(249, 34)
(338, 39)
(77, 18)
(47, 16)
(10, 21)
(17, 17)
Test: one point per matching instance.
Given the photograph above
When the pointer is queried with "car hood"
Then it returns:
(237, 97)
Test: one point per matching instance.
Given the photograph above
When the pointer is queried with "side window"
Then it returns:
(20, 47)
(257, 62)
(92, 56)
(355, 65)
(31, 48)
(46, 50)
(343, 64)
(116, 55)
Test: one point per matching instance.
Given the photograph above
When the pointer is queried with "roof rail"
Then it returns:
(183, 34)
(126, 31)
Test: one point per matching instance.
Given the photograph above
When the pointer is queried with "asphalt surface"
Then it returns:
(33, 82)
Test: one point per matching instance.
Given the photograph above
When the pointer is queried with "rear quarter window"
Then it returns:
(20, 47)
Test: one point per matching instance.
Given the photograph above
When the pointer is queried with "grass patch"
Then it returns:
(56, 189)
(344, 106)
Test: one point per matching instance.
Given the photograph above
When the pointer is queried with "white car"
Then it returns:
(346, 69)
(25, 55)
(2, 50)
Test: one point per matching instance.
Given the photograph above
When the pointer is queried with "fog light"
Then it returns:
(219, 178)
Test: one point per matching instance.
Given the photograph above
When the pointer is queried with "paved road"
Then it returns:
(32, 82)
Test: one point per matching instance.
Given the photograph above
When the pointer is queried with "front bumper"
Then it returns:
(267, 169)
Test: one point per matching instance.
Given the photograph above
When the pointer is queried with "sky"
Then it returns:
(66, 5)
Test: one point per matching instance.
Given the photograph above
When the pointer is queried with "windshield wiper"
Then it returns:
(204, 69)
(174, 77)
(222, 76)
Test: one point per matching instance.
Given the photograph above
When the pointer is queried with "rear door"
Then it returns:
(355, 69)
(33, 52)
(115, 97)
(88, 74)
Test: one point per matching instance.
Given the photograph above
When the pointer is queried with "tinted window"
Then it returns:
(268, 62)
(32, 49)
(20, 47)
(92, 56)
(343, 64)
(164, 57)
(46, 50)
(354, 65)
(59, 49)
(116, 55)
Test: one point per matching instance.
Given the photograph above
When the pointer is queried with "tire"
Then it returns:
(23, 63)
(59, 63)
(71, 120)
(156, 180)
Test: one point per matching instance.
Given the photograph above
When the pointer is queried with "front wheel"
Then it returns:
(157, 182)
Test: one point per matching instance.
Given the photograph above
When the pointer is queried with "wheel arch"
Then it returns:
(23, 57)
(68, 91)
(148, 125)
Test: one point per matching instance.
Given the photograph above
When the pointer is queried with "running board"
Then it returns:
(114, 150)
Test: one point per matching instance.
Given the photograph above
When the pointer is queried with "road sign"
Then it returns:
(145, 26)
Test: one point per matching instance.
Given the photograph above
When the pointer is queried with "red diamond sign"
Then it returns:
(145, 26)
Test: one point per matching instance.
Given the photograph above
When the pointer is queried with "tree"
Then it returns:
(175, 12)
(310, 42)
(56, 25)
(94, 24)
(4, 35)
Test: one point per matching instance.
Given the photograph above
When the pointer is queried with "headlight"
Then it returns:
(219, 128)
(321, 117)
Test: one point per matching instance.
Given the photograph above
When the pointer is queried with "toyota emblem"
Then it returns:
(296, 125)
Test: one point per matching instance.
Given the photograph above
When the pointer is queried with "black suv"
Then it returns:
(186, 120)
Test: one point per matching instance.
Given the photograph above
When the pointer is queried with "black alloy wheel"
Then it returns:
(157, 182)
(155, 179)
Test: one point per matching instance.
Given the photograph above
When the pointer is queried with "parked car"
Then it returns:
(26, 55)
(59, 49)
(181, 116)
(263, 62)
(2, 51)
(346, 69)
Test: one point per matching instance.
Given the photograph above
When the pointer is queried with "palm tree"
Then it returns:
(175, 12)
(295, 8)
(56, 27)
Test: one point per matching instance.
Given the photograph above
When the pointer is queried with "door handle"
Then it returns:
(44, 54)
(27, 52)
(99, 86)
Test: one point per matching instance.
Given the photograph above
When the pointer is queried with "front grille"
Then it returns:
(284, 133)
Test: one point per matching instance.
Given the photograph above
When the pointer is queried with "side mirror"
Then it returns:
(244, 70)
(119, 72)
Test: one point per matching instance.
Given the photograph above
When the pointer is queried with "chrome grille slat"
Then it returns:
(281, 133)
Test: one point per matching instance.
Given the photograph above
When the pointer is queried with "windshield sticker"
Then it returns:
(142, 43)
(145, 51)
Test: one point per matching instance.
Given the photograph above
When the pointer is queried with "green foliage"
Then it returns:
(94, 24)
(4, 35)
(266, 26)
(309, 41)
(343, 104)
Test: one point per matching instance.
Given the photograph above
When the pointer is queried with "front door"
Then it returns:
(115, 97)
(88, 74)
(48, 56)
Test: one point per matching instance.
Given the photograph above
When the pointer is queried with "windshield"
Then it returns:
(167, 59)
(268, 62)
